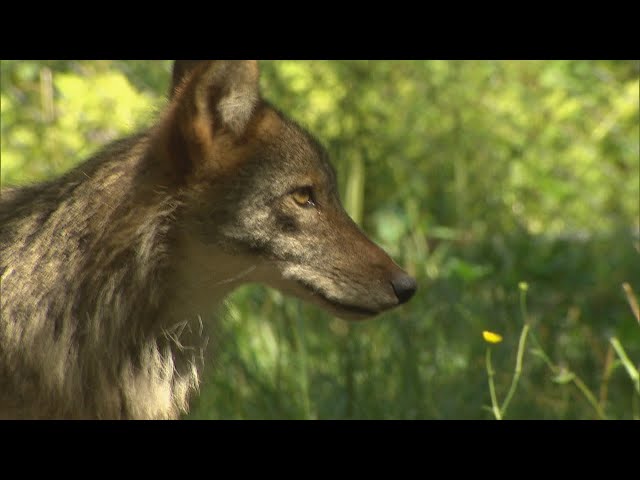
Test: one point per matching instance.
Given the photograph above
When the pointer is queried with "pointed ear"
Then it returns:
(212, 103)
(180, 70)
(224, 92)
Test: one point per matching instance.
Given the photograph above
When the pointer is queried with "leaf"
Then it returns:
(564, 377)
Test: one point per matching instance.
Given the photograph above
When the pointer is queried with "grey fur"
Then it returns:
(111, 274)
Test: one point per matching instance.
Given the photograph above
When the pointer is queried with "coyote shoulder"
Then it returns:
(110, 273)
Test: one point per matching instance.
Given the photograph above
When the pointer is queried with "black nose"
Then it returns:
(404, 286)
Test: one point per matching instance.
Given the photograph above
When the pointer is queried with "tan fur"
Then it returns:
(112, 274)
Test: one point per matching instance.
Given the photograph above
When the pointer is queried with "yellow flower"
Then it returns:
(491, 337)
(523, 286)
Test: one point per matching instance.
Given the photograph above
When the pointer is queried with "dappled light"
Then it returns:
(509, 189)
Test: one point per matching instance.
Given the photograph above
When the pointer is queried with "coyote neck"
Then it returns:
(110, 342)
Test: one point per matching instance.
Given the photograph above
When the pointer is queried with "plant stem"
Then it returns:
(632, 300)
(523, 306)
(492, 389)
(576, 380)
(589, 396)
(628, 365)
(518, 371)
(303, 373)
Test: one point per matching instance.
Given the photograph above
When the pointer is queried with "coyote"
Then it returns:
(110, 274)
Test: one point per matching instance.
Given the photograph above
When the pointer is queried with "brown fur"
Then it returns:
(111, 273)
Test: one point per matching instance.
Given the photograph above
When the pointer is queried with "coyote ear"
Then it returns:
(180, 70)
(208, 98)
(223, 92)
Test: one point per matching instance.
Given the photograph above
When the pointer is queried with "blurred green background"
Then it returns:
(474, 175)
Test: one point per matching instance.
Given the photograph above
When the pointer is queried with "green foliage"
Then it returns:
(474, 175)
(51, 121)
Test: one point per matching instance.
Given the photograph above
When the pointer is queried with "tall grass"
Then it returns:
(562, 375)
(472, 175)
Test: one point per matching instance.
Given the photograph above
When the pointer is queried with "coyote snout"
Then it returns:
(111, 273)
(343, 271)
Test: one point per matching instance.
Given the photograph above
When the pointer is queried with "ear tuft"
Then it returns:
(238, 84)
(181, 70)
(225, 91)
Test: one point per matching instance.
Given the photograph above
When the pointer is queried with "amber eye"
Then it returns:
(303, 197)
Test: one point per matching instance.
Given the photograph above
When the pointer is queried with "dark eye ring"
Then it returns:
(303, 196)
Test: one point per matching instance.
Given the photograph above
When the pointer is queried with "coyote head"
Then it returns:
(260, 198)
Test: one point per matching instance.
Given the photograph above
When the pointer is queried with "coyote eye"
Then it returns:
(303, 197)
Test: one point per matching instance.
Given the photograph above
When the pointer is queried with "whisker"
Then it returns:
(238, 276)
